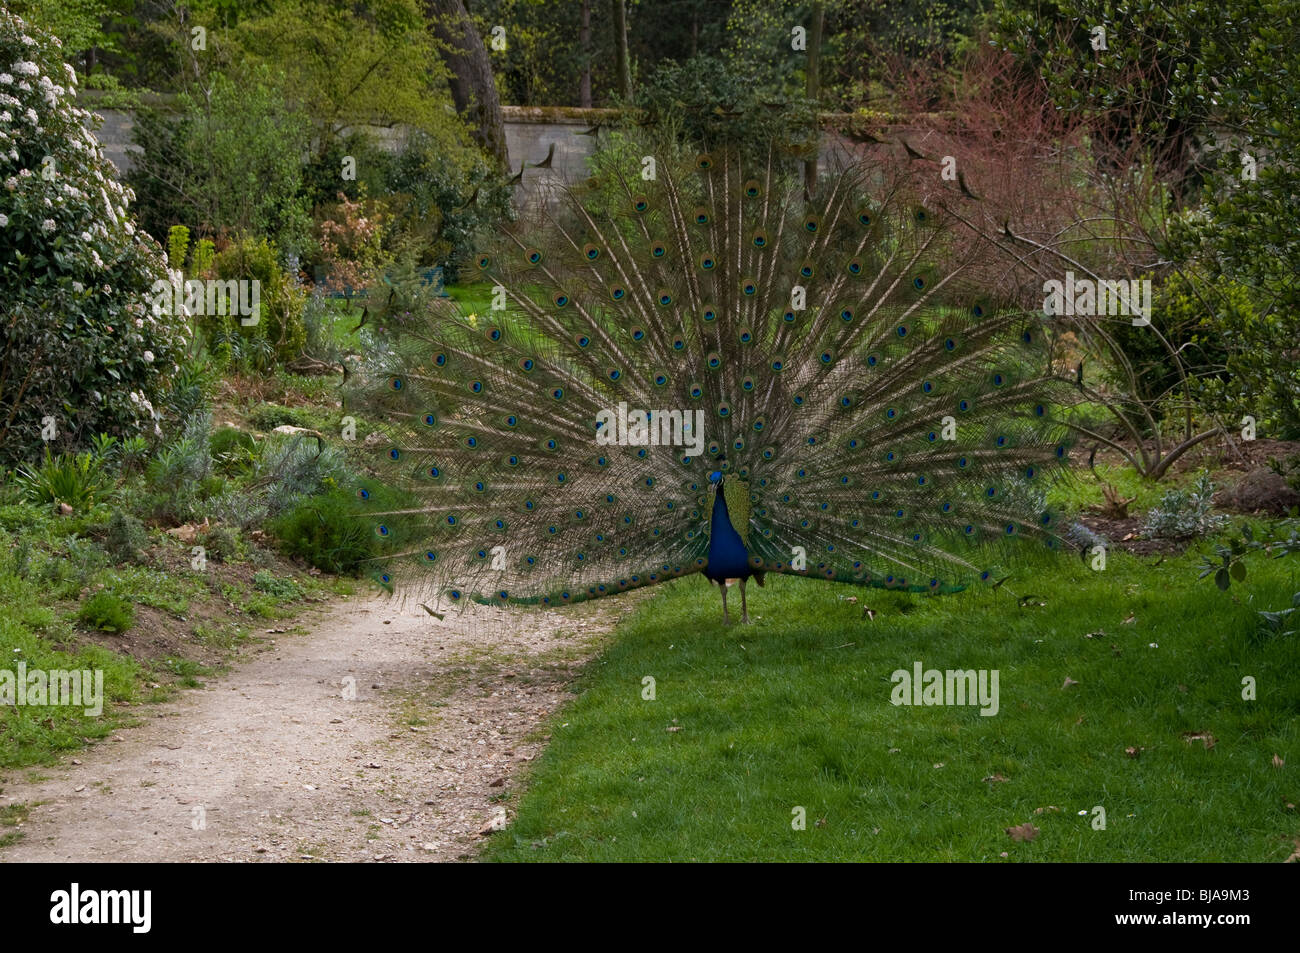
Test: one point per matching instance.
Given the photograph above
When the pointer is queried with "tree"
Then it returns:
(80, 350)
(619, 16)
(470, 76)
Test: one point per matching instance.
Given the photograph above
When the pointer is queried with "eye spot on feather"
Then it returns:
(533, 256)
(363, 494)
(590, 252)
(476, 387)
(640, 204)
(394, 454)
(752, 189)
(617, 292)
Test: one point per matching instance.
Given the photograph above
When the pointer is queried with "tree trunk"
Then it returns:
(620, 45)
(813, 90)
(472, 89)
(584, 49)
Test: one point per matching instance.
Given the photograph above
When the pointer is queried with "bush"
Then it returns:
(325, 533)
(77, 342)
(275, 586)
(221, 543)
(232, 451)
(230, 160)
(279, 333)
(1186, 513)
(125, 539)
(75, 479)
(181, 473)
(107, 612)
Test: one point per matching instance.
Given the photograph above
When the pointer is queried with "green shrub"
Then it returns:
(125, 538)
(267, 417)
(324, 532)
(77, 479)
(232, 450)
(77, 342)
(1186, 513)
(221, 543)
(275, 586)
(279, 333)
(107, 612)
(180, 474)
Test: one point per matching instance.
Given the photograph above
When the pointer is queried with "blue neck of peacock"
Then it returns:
(728, 557)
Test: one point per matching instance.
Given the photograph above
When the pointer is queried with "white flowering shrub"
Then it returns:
(80, 350)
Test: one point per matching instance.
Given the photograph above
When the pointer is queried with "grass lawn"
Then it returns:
(750, 723)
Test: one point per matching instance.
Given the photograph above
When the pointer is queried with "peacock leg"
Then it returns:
(744, 609)
(723, 586)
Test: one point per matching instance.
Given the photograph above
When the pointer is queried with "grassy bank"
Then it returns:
(750, 723)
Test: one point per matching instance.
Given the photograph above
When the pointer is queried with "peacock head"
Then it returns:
(715, 477)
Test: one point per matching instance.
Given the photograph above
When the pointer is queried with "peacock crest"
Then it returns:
(847, 372)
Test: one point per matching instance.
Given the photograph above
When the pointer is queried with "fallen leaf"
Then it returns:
(1025, 832)
(821, 822)
(1130, 619)
(1277, 762)
(673, 728)
(499, 782)
(1133, 752)
(1068, 682)
(1049, 808)
(994, 778)
(1203, 736)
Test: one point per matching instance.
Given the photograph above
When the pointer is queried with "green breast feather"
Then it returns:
(736, 495)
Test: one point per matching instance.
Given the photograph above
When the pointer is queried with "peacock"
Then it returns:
(710, 369)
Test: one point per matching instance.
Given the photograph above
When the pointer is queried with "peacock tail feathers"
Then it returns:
(853, 364)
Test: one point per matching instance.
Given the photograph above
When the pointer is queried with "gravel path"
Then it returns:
(273, 761)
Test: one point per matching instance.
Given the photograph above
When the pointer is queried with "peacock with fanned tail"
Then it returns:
(712, 371)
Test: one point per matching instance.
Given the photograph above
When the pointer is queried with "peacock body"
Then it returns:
(711, 371)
